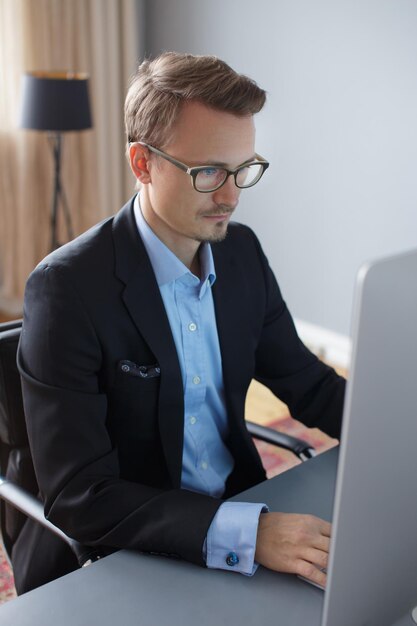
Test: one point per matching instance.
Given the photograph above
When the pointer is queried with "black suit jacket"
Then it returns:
(107, 443)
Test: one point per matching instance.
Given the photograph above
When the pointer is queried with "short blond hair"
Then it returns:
(161, 86)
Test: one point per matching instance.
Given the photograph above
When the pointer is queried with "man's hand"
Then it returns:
(295, 544)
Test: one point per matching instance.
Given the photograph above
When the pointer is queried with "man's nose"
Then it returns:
(228, 194)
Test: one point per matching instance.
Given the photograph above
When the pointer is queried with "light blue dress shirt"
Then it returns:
(206, 462)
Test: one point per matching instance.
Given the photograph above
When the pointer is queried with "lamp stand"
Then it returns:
(55, 140)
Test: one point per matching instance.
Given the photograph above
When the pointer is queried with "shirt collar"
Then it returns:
(165, 264)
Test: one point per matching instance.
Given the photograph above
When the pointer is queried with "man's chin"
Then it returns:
(214, 237)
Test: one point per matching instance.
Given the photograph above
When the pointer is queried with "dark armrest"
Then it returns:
(31, 507)
(300, 448)
(10, 325)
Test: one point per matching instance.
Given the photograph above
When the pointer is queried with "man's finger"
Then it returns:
(320, 542)
(311, 573)
(325, 528)
(318, 558)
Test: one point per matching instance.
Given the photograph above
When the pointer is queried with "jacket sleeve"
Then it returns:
(76, 465)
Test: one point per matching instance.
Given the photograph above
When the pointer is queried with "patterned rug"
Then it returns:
(275, 461)
(7, 590)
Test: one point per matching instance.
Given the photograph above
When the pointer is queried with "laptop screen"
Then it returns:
(372, 578)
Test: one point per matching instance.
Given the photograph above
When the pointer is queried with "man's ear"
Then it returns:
(139, 161)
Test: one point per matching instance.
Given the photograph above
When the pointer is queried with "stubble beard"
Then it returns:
(219, 236)
(214, 238)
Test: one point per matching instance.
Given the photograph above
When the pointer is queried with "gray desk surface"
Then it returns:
(128, 588)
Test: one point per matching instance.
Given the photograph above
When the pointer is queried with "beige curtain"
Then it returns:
(95, 36)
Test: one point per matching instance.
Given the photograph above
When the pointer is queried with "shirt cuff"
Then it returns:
(231, 538)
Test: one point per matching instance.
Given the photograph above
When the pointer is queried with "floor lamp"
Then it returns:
(56, 102)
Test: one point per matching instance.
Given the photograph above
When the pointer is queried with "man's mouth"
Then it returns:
(218, 216)
(221, 216)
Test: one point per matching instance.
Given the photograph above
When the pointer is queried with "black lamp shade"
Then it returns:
(55, 101)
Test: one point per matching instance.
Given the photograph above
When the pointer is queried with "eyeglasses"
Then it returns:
(208, 178)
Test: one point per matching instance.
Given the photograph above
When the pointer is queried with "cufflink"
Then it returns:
(232, 559)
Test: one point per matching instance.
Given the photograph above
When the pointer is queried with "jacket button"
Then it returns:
(232, 559)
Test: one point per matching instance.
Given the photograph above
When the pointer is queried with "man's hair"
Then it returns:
(160, 87)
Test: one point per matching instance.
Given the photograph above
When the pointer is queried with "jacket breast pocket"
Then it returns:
(133, 402)
(128, 369)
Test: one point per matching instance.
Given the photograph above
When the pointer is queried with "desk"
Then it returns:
(128, 588)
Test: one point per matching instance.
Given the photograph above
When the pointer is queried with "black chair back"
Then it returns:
(18, 485)
(15, 458)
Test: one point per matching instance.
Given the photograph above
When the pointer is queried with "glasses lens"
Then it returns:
(249, 175)
(210, 178)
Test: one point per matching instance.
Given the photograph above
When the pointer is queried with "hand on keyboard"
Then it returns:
(295, 544)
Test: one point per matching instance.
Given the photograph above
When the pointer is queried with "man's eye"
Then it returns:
(209, 172)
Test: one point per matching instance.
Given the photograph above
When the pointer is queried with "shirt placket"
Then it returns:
(195, 374)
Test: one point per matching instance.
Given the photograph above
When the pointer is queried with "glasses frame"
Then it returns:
(193, 171)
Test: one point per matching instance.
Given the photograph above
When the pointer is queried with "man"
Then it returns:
(141, 337)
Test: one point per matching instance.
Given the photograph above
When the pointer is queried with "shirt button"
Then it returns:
(192, 327)
(196, 380)
(204, 465)
(193, 420)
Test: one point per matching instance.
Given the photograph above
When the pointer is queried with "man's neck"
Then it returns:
(195, 266)
(186, 250)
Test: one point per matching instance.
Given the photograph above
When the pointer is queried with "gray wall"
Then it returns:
(340, 131)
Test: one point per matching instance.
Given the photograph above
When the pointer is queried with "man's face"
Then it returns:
(178, 214)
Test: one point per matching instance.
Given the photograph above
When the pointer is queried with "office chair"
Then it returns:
(18, 486)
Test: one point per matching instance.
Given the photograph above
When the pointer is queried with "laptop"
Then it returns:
(372, 574)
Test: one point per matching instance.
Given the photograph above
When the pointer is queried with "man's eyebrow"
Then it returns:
(210, 162)
(252, 158)
(224, 164)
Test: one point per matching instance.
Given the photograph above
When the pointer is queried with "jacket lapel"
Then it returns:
(143, 301)
(229, 293)
(233, 294)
